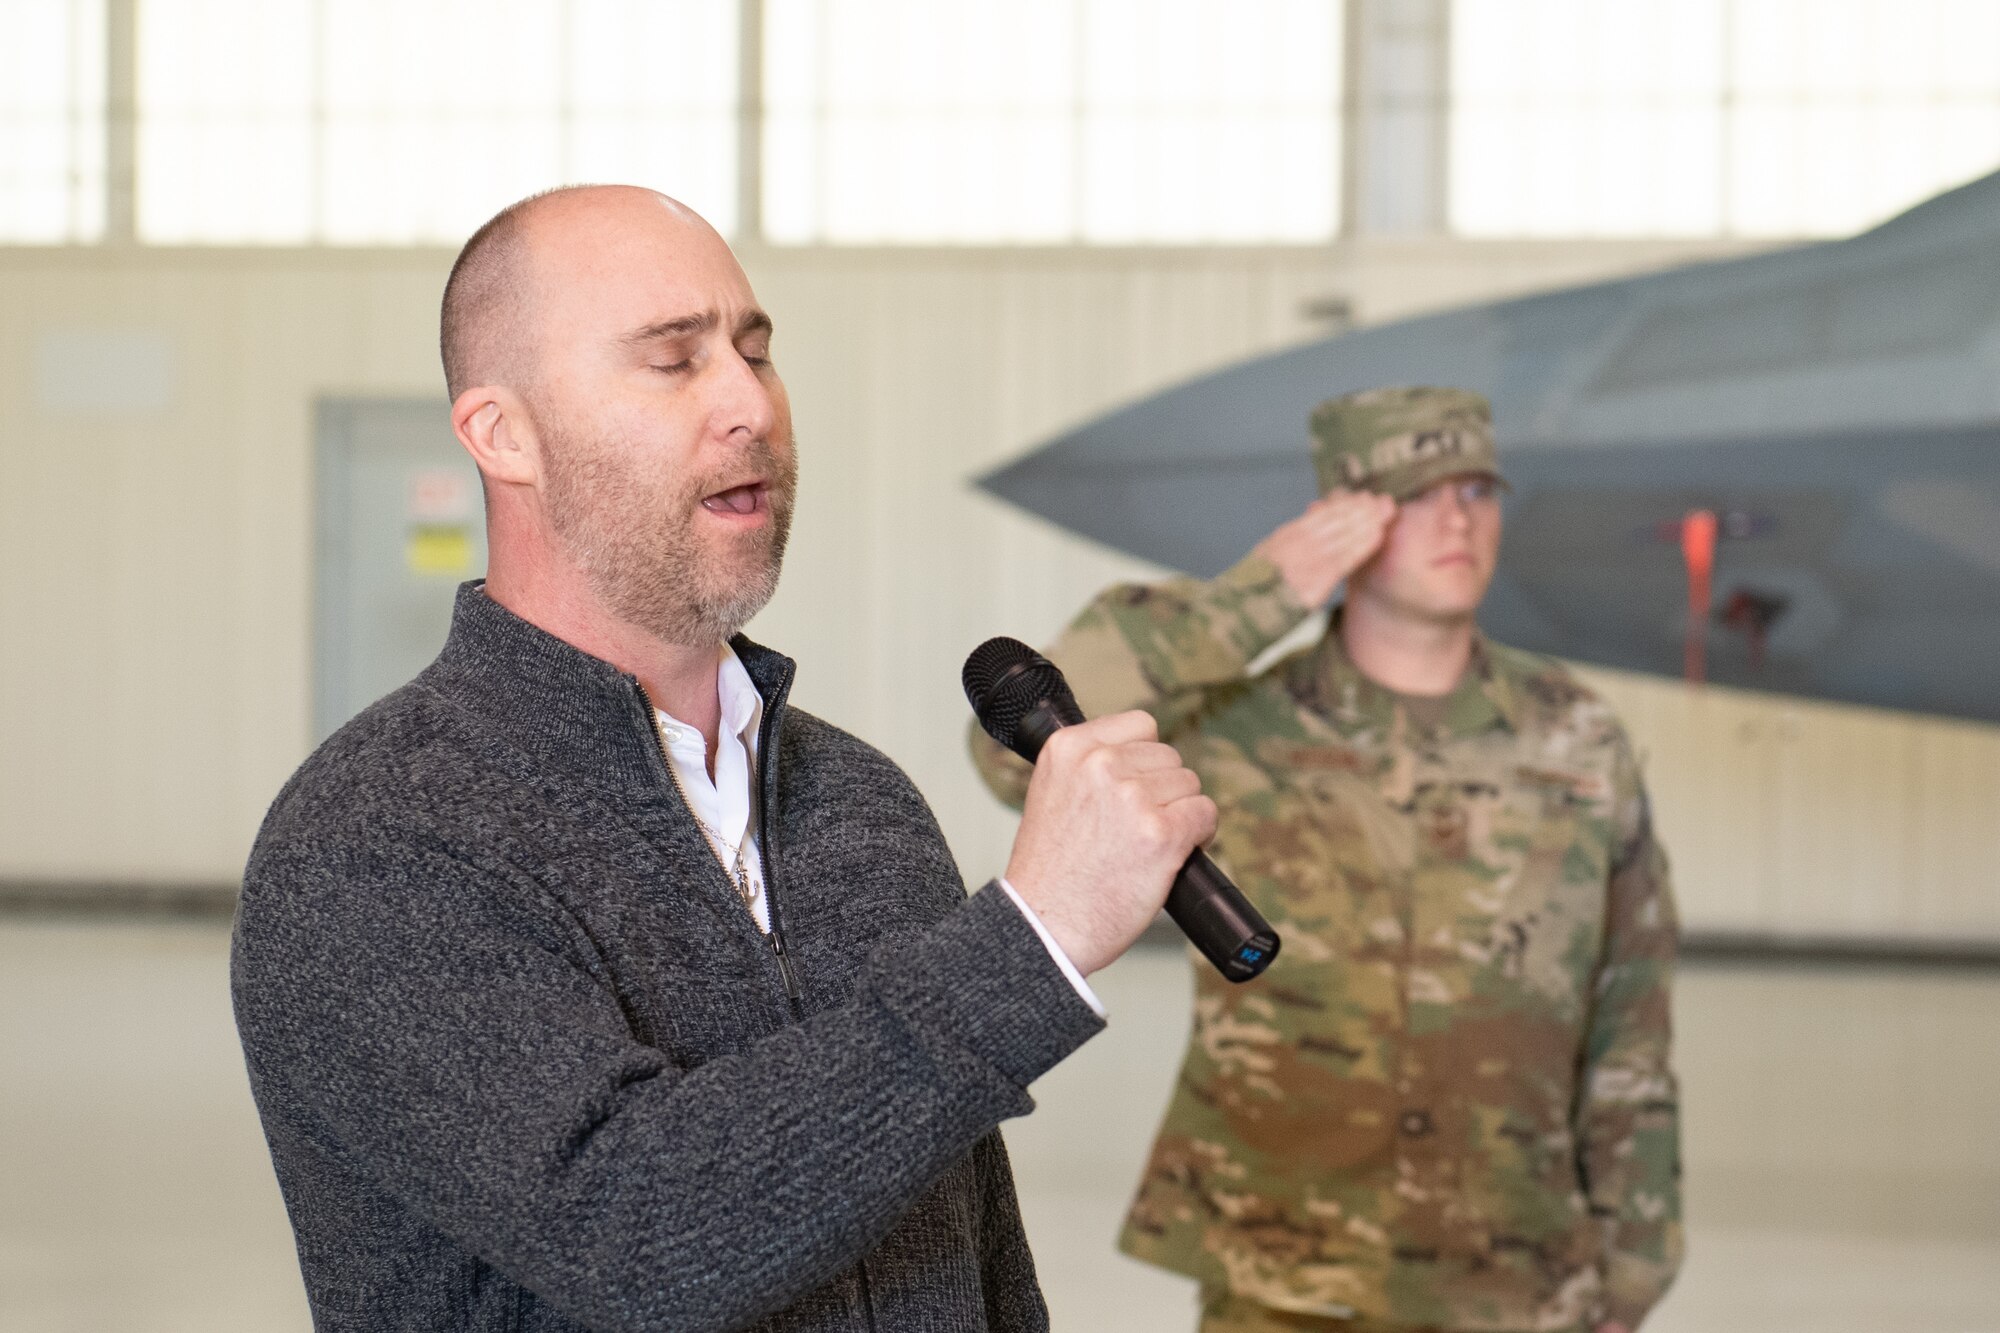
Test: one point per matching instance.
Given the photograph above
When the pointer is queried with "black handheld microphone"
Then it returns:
(1022, 700)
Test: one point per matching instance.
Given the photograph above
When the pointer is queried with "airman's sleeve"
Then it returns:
(1629, 1127)
(1157, 647)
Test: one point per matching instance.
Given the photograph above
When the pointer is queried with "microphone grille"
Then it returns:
(1004, 679)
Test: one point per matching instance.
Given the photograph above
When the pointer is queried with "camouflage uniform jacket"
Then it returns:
(1448, 1103)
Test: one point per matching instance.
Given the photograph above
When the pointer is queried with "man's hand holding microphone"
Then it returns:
(1105, 809)
(1111, 816)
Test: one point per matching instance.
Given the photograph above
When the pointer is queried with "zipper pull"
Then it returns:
(792, 991)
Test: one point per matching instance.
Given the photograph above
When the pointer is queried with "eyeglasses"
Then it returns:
(1470, 491)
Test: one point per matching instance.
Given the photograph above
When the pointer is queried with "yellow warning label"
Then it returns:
(439, 550)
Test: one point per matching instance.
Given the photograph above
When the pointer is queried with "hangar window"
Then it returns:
(1845, 111)
(1715, 117)
(52, 122)
(386, 121)
(1102, 121)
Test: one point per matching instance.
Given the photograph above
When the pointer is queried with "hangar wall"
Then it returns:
(156, 417)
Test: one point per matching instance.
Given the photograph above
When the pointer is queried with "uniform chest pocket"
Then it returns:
(1315, 847)
(1337, 793)
(1553, 839)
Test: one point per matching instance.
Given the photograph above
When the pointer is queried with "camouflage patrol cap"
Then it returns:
(1402, 441)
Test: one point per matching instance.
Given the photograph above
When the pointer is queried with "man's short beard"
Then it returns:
(644, 562)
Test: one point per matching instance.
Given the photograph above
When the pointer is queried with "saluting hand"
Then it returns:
(1332, 539)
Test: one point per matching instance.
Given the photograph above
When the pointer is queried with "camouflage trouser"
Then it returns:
(1224, 1313)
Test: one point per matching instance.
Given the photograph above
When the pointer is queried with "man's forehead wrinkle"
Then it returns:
(679, 326)
(751, 322)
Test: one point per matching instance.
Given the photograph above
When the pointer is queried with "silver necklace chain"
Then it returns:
(733, 868)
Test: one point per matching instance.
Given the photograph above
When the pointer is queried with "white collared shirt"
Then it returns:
(722, 805)
(727, 814)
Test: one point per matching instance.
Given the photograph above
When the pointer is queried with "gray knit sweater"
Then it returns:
(525, 1062)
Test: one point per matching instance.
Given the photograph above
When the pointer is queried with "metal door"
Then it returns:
(399, 525)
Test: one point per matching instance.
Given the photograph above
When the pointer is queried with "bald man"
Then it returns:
(584, 982)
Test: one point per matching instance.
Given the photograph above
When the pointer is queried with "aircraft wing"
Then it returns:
(1836, 405)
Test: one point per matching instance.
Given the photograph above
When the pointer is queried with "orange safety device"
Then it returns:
(1698, 531)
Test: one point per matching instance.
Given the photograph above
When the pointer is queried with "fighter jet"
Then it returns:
(1780, 472)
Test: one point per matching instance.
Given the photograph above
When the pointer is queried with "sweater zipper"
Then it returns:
(867, 1293)
(767, 831)
(767, 785)
(776, 935)
(767, 791)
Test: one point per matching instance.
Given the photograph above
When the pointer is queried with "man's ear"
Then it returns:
(493, 424)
